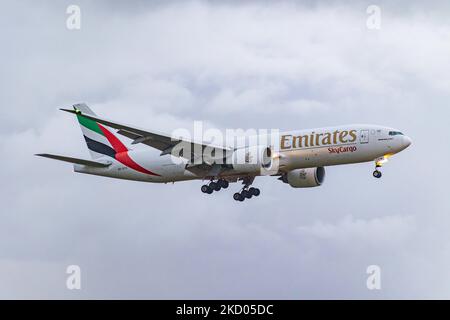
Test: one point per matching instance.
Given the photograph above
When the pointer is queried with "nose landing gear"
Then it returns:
(377, 174)
(378, 164)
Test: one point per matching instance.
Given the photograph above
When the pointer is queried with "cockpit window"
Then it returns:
(395, 133)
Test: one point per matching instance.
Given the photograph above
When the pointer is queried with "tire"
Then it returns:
(237, 196)
(217, 187)
(377, 174)
(224, 184)
(213, 185)
(256, 192)
(204, 188)
(246, 194)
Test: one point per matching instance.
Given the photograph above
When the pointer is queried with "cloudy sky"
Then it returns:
(283, 65)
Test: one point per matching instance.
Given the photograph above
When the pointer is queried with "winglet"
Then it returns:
(80, 108)
(70, 110)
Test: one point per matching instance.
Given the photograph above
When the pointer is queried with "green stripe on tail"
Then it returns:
(89, 124)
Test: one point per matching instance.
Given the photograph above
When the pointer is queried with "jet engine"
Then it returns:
(304, 178)
(251, 159)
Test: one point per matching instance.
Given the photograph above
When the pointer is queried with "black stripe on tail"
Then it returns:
(100, 147)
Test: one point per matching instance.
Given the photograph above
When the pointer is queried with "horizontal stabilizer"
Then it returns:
(75, 160)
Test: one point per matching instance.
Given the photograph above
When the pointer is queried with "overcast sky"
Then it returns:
(257, 65)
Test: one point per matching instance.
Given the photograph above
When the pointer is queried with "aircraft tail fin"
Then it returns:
(83, 107)
(89, 163)
(100, 140)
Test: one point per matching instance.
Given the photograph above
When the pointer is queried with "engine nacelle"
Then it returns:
(304, 178)
(251, 159)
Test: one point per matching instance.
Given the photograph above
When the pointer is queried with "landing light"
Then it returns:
(384, 159)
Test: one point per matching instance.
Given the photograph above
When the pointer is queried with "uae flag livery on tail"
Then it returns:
(101, 141)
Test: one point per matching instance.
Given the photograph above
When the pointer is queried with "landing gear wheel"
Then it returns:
(238, 197)
(246, 194)
(213, 185)
(254, 191)
(224, 184)
(206, 189)
(377, 174)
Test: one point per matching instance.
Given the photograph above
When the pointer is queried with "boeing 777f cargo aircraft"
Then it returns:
(297, 158)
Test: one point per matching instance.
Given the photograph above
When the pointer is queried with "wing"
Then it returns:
(163, 142)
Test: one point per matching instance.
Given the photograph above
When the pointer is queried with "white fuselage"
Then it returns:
(295, 149)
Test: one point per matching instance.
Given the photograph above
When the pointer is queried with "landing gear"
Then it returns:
(254, 191)
(246, 193)
(238, 197)
(377, 174)
(379, 163)
(215, 186)
(223, 183)
(206, 189)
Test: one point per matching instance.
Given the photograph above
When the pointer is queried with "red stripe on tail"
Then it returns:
(124, 158)
(117, 145)
(122, 152)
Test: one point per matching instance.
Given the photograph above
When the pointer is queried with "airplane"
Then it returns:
(298, 158)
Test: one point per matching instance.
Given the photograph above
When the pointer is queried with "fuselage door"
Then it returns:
(364, 136)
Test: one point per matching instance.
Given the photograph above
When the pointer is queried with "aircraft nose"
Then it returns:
(406, 141)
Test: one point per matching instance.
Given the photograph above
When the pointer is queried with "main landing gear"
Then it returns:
(246, 193)
(215, 186)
